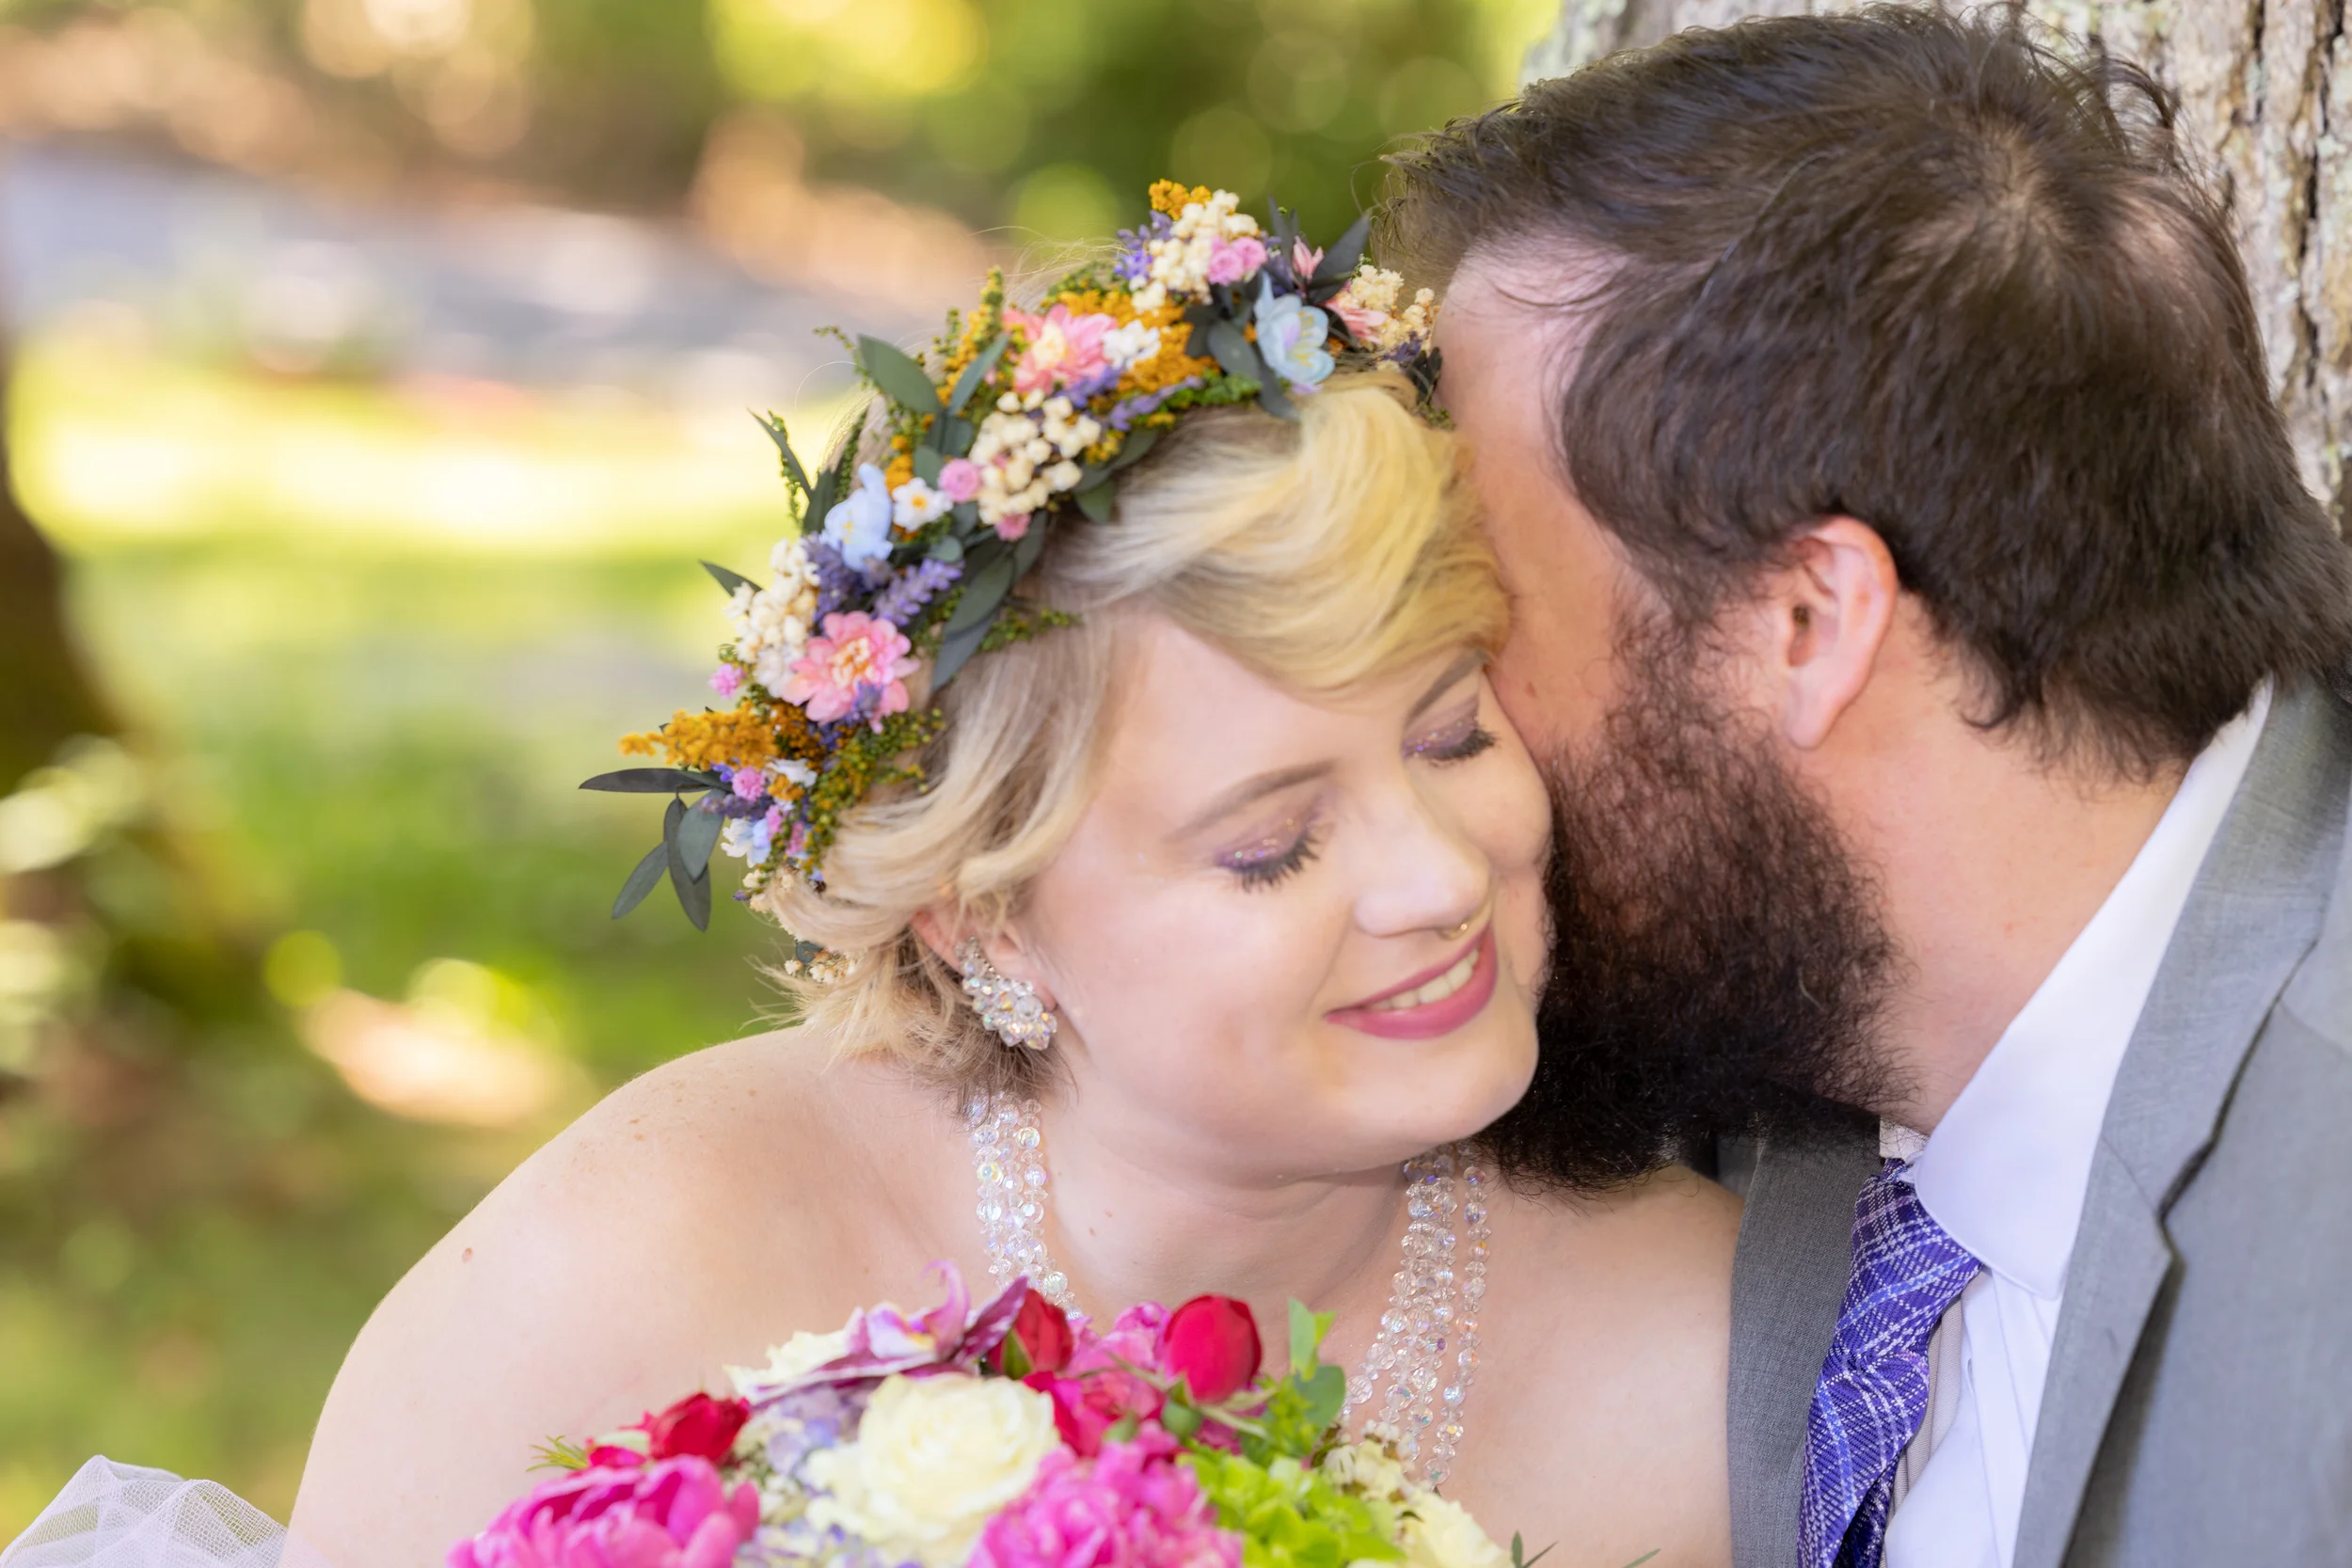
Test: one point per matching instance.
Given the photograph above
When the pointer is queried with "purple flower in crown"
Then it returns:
(915, 588)
(884, 1341)
(839, 585)
(1133, 263)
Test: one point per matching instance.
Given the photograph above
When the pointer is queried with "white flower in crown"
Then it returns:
(772, 624)
(1210, 242)
(915, 504)
(859, 527)
(1130, 345)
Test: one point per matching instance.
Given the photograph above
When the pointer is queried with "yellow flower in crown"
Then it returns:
(1015, 422)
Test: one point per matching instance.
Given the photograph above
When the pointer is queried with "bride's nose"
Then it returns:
(1421, 874)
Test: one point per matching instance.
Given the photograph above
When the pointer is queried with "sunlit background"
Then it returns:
(376, 371)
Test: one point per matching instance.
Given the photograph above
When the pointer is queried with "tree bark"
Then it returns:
(2265, 90)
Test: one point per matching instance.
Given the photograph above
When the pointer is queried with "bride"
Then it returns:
(1235, 850)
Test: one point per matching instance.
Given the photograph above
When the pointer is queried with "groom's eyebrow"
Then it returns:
(1472, 660)
(1247, 790)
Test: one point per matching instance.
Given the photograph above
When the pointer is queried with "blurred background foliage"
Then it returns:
(376, 372)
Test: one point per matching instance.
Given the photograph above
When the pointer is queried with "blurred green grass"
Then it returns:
(374, 736)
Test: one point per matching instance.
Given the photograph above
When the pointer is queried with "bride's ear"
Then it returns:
(945, 933)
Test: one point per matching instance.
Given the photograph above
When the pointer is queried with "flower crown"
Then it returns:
(1016, 422)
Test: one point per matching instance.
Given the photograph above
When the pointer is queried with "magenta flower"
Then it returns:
(749, 784)
(725, 680)
(859, 665)
(1231, 261)
(1063, 349)
(1131, 1506)
(880, 1341)
(960, 479)
(677, 1513)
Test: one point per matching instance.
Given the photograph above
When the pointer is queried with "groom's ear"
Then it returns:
(1830, 609)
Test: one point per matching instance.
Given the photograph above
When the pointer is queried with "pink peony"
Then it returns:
(857, 657)
(725, 680)
(1133, 1506)
(1063, 349)
(960, 479)
(1087, 1407)
(677, 1513)
(1231, 261)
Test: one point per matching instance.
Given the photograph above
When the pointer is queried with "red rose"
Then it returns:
(1211, 1343)
(1040, 1336)
(697, 1425)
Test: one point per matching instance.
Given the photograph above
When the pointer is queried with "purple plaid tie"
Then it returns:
(1873, 1389)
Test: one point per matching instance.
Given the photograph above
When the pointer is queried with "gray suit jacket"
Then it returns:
(2199, 1408)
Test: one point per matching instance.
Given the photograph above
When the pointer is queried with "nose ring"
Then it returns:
(1461, 930)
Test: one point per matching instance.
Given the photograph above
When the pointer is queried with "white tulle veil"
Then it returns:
(112, 1516)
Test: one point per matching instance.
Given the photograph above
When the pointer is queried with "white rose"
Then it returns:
(934, 1458)
(1440, 1534)
(803, 1353)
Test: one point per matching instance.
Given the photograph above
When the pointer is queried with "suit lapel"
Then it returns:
(1796, 1237)
(2254, 913)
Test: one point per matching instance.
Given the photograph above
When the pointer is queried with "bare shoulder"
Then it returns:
(644, 1247)
(1613, 1314)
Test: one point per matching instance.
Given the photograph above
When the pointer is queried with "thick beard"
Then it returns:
(1719, 964)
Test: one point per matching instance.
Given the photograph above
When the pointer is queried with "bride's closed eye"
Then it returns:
(1456, 736)
(1268, 858)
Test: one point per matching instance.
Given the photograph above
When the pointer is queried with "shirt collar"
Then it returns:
(2007, 1169)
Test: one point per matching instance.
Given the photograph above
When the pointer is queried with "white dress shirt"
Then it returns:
(2005, 1172)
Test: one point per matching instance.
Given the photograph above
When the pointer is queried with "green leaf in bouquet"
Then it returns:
(652, 780)
(698, 835)
(792, 469)
(898, 378)
(728, 581)
(562, 1453)
(982, 594)
(1340, 262)
(1307, 1331)
(976, 373)
(1132, 449)
(927, 465)
(640, 882)
(1032, 545)
(1274, 400)
(967, 515)
(1323, 1393)
(1234, 352)
(1096, 501)
(947, 548)
(955, 651)
(694, 892)
(949, 436)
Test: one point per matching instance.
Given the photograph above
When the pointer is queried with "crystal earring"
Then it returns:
(1008, 1008)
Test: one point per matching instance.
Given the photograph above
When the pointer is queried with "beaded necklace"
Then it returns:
(1426, 1354)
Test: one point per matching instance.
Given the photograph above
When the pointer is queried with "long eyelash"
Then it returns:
(1478, 739)
(1289, 863)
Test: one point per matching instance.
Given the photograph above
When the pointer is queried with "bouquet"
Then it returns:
(1010, 1435)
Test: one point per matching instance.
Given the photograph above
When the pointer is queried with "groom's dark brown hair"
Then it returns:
(1936, 274)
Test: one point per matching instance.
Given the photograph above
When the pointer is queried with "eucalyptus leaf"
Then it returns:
(947, 548)
(955, 650)
(821, 500)
(975, 372)
(651, 781)
(982, 594)
(896, 374)
(698, 835)
(1236, 353)
(927, 465)
(1031, 546)
(774, 427)
(682, 879)
(949, 436)
(1096, 502)
(640, 882)
(1132, 449)
(729, 580)
(1340, 261)
(967, 515)
(1275, 400)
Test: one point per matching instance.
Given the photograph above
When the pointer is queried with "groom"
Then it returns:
(1937, 658)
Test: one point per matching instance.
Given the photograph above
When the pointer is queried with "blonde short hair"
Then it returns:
(1320, 554)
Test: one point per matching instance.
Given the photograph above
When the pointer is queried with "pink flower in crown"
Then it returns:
(1063, 349)
(1013, 529)
(1362, 324)
(675, 1514)
(1231, 261)
(880, 1341)
(960, 479)
(856, 658)
(726, 680)
(1304, 260)
(1131, 1506)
